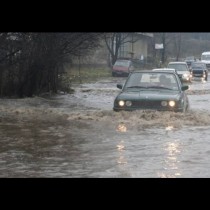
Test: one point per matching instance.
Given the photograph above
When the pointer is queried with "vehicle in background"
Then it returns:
(189, 60)
(165, 69)
(153, 90)
(199, 70)
(205, 58)
(182, 70)
(122, 67)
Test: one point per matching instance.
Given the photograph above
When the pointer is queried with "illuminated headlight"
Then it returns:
(171, 103)
(128, 103)
(164, 103)
(121, 103)
(185, 75)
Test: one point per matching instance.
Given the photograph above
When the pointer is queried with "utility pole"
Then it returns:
(132, 53)
(80, 80)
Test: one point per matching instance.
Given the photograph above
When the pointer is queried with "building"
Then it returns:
(136, 45)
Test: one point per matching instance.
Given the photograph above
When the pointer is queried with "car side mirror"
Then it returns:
(119, 86)
(185, 87)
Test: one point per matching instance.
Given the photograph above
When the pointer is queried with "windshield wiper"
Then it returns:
(160, 87)
(147, 87)
(136, 86)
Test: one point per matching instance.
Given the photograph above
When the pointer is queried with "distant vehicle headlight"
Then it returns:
(185, 75)
(128, 103)
(121, 103)
(164, 103)
(172, 103)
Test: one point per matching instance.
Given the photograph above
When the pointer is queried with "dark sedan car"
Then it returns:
(189, 60)
(156, 90)
(199, 70)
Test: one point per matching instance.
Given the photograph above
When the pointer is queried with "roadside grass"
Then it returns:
(86, 75)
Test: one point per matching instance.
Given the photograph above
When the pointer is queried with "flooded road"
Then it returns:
(79, 135)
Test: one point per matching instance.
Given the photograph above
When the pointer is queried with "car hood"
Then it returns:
(182, 72)
(206, 61)
(197, 69)
(149, 95)
(120, 68)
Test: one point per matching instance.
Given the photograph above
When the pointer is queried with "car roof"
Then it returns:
(123, 60)
(164, 69)
(205, 53)
(154, 72)
(177, 62)
(199, 62)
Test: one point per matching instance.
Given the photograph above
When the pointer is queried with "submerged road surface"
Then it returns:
(79, 135)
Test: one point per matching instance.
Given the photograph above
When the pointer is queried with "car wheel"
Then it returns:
(116, 110)
(187, 107)
(184, 110)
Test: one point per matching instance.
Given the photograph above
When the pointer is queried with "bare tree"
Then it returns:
(165, 39)
(177, 44)
(115, 40)
(31, 62)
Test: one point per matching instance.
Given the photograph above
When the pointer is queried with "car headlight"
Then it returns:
(164, 103)
(185, 75)
(172, 103)
(128, 103)
(121, 103)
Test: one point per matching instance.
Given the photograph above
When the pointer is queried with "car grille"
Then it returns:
(197, 72)
(146, 103)
(149, 105)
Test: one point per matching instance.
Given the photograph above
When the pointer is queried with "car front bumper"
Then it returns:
(173, 109)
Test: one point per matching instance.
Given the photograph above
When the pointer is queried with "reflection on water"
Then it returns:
(121, 149)
(198, 86)
(169, 128)
(121, 128)
(171, 160)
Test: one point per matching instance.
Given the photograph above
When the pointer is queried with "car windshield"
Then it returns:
(123, 63)
(178, 67)
(152, 81)
(190, 58)
(166, 70)
(197, 66)
(205, 57)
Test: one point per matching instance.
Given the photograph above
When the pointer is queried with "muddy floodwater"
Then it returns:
(79, 135)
